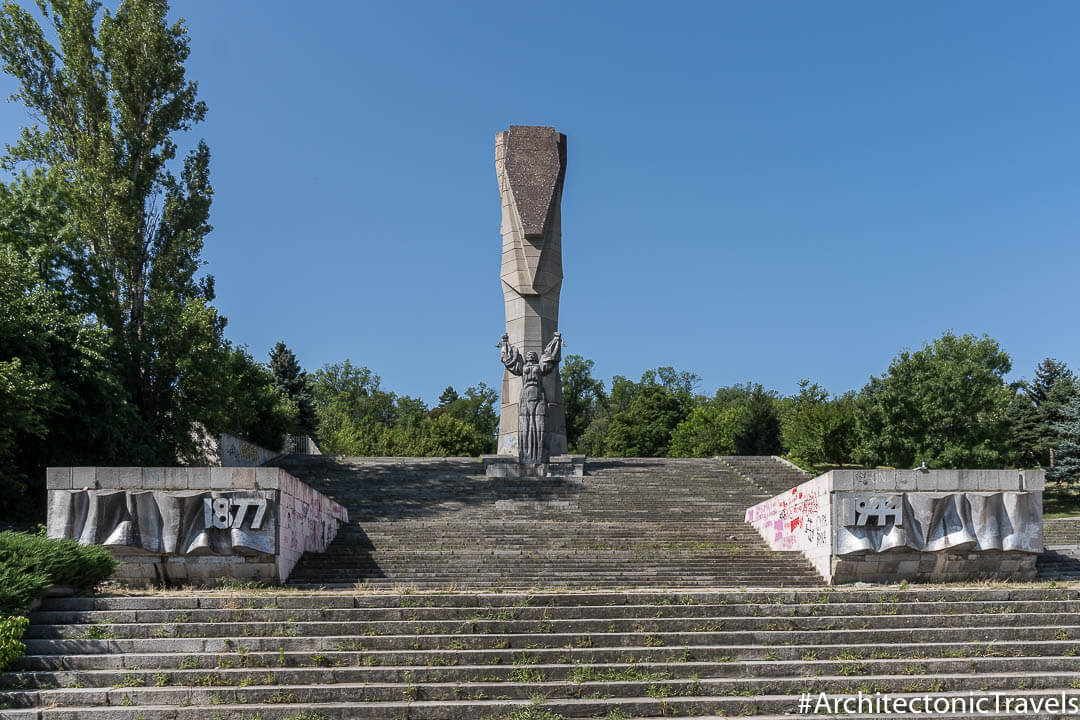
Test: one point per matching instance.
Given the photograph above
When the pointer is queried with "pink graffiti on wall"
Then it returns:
(794, 519)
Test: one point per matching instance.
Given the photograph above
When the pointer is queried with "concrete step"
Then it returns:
(661, 627)
(526, 683)
(351, 614)
(291, 655)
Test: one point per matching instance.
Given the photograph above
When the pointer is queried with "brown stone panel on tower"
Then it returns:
(530, 163)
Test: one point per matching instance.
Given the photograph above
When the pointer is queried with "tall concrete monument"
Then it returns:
(530, 163)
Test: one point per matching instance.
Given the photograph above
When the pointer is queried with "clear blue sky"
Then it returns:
(755, 191)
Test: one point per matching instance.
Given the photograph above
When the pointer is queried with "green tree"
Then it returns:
(1026, 430)
(1047, 374)
(818, 429)
(448, 396)
(34, 223)
(1046, 395)
(759, 433)
(294, 384)
(710, 430)
(357, 417)
(454, 437)
(583, 397)
(351, 409)
(945, 404)
(593, 441)
(476, 408)
(253, 406)
(760, 430)
(735, 395)
(110, 96)
(646, 413)
(1051, 414)
(60, 403)
(1067, 462)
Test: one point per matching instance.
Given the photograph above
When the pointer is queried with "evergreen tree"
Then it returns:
(1035, 432)
(760, 430)
(293, 383)
(1026, 431)
(1067, 462)
(449, 395)
(1047, 374)
(1052, 414)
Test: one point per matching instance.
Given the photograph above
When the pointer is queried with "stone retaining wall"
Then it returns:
(179, 525)
(941, 566)
(929, 525)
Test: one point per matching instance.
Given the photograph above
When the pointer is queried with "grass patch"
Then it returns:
(527, 713)
(1061, 500)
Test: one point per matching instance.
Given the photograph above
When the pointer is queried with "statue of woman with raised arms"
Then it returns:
(532, 404)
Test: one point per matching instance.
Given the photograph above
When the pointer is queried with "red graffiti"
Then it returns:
(795, 523)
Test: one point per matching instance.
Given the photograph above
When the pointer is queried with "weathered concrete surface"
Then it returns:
(238, 452)
(884, 525)
(199, 525)
(530, 163)
(463, 656)
(505, 466)
(799, 520)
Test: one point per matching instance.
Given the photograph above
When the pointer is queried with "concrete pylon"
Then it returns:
(530, 163)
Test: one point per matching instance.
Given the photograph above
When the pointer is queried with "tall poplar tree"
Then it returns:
(109, 93)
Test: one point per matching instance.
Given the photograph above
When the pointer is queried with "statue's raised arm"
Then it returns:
(552, 354)
(510, 356)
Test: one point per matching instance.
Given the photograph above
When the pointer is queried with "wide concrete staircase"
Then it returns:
(633, 522)
(767, 473)
(537, 656)
(1061, 559)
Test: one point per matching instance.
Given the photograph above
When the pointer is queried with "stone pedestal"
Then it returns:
(507, 466)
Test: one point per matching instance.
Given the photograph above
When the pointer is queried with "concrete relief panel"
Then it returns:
(209, 524)
(168, 523)
(941, 521)
(887, 525)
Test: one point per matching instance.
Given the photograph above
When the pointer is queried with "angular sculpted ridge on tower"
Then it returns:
(530, 163)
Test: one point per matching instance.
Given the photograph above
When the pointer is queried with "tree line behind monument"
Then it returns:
(947, 404)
